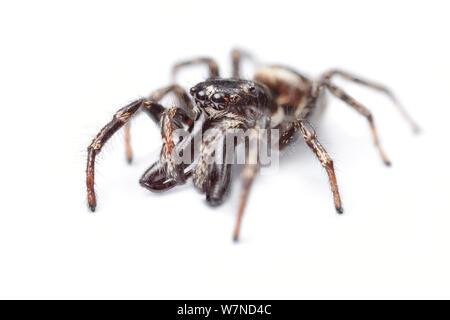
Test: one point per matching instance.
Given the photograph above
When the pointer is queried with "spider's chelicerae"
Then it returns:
(277, 98)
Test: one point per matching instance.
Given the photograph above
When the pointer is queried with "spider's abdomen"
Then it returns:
(288, 87)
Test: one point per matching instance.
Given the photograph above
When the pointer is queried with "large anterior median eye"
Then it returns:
(201, 95)
(218, 98)
(219, 101)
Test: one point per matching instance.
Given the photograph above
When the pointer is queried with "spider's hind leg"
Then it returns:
(336, 91)
(212, 65)
(325, 82)
(237, 55)
(379, 87)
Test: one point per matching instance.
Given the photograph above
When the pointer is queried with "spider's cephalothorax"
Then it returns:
(233, 95)
(277, 98)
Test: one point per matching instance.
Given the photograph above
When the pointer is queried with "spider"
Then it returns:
(278, 97)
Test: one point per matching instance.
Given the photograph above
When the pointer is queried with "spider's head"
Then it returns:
(229, 94)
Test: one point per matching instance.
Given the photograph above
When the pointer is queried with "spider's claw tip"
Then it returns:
(235, 239)
(340, 210)
(388, 163)
(92, 207)
(129, 160)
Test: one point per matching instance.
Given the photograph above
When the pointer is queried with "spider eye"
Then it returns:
(252, 89)
(218, 98)
(235, 98)
(193, 90)
(201, 95)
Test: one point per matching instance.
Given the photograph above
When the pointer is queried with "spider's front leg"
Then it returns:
(120, 118)
(171, 120)
(184, 102)
(167, 172)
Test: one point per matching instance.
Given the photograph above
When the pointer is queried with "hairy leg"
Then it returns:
(236, 58)
(171, 120)
(250, 170)
(325, 82)
(326, 77)
(184, 102)
(213, 67)
(120, 118)
(248, 175)
(364, 112)
(128, 150)
(157, 178)
(310, 137)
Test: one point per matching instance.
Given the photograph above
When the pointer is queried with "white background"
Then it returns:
(66, 67)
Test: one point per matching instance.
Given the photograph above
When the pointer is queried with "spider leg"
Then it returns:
(213, 67)
(184, 102)
(171, 119)
(345, 75)
(128, 150)
(336, 91)
(288, 131)
(236, 57)
(249, 172)
(248, 175)
(310, 137)
(120, 118)
(165, 173)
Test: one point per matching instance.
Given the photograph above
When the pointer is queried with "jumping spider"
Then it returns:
(277, 97)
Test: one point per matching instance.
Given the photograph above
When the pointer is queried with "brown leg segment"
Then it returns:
(119, 119)
(310, 137)
(128, 151)
(182, 96)
(248, 175)
(171, 119)
(328, 75)
(250, 170)
(236, 57)
(325, 82)
(155, 112)
(213, 67)
(363, 111)
(157, 178)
